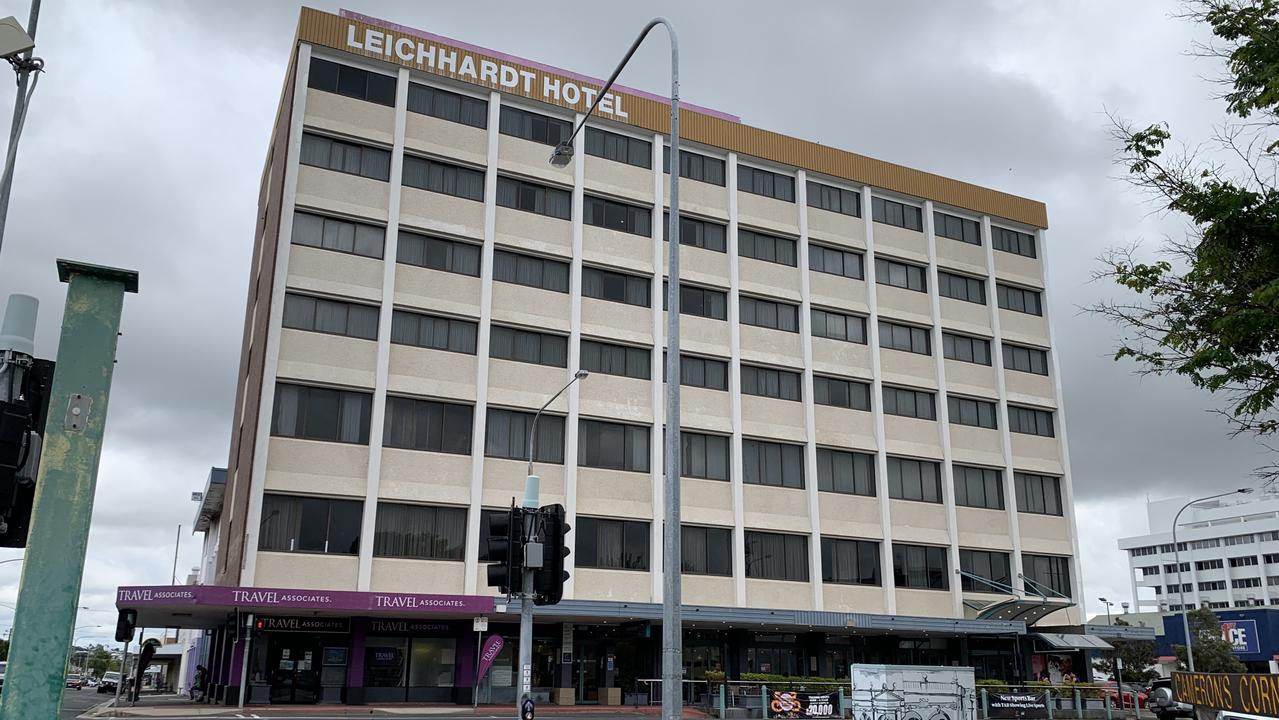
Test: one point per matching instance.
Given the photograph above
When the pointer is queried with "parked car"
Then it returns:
(110, 679)
(1162, 704)
(74, 681)
(1129, 690)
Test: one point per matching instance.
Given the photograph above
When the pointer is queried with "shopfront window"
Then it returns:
(384, 662)
(431, 662)
(413, 669)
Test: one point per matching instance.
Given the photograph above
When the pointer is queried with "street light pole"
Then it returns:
(672, 623)
(1181, 587)
(1107, 603)
(532, 488)
(25, 66)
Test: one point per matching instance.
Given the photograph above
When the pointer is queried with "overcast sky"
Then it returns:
(146, 139)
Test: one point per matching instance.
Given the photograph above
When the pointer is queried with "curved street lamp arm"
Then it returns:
(1181, 586)
(532, 431)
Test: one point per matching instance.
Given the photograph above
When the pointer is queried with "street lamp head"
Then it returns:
(13, 39)
(1245, 491)
(1104, 600)
(581, 374)
(562, 155)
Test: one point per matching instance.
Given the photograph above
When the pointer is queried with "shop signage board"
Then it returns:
(794, 704)
(408, 627)
(141, 596)
(1242, 636)
(1016, 705)
(278, 623)
(1242, 693)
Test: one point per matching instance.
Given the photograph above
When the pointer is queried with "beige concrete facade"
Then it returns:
(382, 367)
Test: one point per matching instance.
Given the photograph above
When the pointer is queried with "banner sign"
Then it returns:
(794, 704)
(339, 600)
(492, 648)
(1242, 636)
(1016, 705)
(1248, 694)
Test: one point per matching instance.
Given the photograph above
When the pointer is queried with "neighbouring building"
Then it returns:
(1228, 550)
(875, 465)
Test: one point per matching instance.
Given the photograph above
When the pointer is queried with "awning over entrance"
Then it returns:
(1027, 610)
(1063, 641)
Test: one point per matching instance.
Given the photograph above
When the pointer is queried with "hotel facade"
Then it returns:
(875, 464)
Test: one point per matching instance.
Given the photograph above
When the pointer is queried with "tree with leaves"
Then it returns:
(1213, 653)
(1137, 655)
(1208, 308)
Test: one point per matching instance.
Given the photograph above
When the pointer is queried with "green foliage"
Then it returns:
(791, 680)
(100, 661)
(1212, 652)
(1209, 310)
(1137, 656)
(4, 649)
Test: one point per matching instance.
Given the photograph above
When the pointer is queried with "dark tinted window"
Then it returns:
(851, 394)
(310, 524)
(920, 566)
(1019, 300)
(900, 274)
(619, 148)
(850, 562)
(531, 271)
(314, 413)
(766, 183)
(769, 248)
(775, 556)
(895, 336)
(352, 82)
(1025, 359)
(703, 455)
(614, 544)
(419, 531)
(1030, 421)
(957, 228)
(695, 167)
(702, 302)
(341, 235)
(616, 287)
(613, 446)
(532, 126)
(506, 435)
(838, 326)
(435, 176)
(614, 215)
(771, 382)
(772, 314)
(303, 312)
(693, 232)
(984, 571)
(979, 487)
(826, 197)
(965, 349)
(612, 359)
(534, 198)
(433, 331)
(1050, 571)
(969, 411)
(429, 425)
(1011, 241)
(891, 212)
(701, 372)
(772, 463)
(433, 253)
(910, 479)
(706, 550)
(961, 287)
(345, 157)
(449, 106)
(843, 471)
(528, 346)
(1038, 493)
(835, 262)
(909, 403)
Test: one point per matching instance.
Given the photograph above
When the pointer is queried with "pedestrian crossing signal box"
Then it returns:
(526, 709)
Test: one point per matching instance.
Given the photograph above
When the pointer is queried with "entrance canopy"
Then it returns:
(1063, 641)
(208, 606)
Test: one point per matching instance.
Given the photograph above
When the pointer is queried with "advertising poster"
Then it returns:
(795, 704)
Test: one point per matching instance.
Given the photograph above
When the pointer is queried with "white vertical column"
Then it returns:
(735, 392)
(368, 522)
(1132, 580)
(656, 447)
(1067, 483)
(877, 408)
(1005, 436)
(482, 349)
(271, 353)
(943, 415)
(810, 420)
(574, 355)
(1263, 592)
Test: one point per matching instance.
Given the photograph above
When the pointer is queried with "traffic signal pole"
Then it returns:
(50, 587)
(532, 486)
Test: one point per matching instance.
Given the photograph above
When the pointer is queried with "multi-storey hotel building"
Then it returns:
(1228, 550)
(875, 464)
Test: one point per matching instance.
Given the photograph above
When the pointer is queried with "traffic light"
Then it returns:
(125, 624)
(548, 581)
(25, 385)
(506, 551)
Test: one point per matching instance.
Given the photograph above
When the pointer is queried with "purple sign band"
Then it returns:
(492, 647)
(406, 30)
(293, 598)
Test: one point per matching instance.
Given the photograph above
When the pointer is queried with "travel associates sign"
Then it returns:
(343, 600)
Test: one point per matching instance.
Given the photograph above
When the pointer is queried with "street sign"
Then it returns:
(480, 624)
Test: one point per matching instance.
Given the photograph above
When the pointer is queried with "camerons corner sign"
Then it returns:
(1247, 694)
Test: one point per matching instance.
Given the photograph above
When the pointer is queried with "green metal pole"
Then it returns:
(50, 589)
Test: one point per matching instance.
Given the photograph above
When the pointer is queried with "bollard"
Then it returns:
(842, 712)
(1048, 702)
(763, 701)
(1079, 707)
(1136, 706)
(985, 712)
(1106, 702)
(723, 712)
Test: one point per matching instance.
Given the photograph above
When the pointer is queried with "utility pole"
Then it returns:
(177, 540)
(24, 66)
(49, 593)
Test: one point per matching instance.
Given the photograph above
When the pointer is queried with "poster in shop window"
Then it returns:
(794, 704)
(1016, 705)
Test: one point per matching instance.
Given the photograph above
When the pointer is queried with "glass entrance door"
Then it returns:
(590, 672)
(293, 664)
